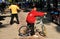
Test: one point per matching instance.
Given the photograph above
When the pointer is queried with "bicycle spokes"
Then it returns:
(43, 30)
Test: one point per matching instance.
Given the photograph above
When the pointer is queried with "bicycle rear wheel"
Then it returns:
(23, 31)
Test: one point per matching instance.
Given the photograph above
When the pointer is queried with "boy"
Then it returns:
(31, 17)
(14, 13)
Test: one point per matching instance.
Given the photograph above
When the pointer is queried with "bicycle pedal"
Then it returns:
(44, 35)
(20, 34)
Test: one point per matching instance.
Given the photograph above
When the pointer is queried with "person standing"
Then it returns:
(14, 12)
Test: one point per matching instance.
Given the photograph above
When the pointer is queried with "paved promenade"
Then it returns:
(8, 31)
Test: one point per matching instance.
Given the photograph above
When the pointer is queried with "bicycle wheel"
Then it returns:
(43, 33)
(23, 31)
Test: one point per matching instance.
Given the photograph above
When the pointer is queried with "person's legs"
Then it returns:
(31, 26)
(12, 17)
(16, 15)
(32, 29)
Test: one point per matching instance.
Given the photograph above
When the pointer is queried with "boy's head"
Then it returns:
(34, 8)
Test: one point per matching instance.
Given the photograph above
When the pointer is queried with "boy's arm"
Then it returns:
(41, 13)
(9, 7)
(18, 8)
(45, 13)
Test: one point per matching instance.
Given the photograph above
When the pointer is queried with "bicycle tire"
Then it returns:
(43, 33)
(25, 32)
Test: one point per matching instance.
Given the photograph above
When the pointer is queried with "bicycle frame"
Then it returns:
(42, 25)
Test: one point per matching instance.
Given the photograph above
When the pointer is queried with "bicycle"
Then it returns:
(43, 32)
(25, 30)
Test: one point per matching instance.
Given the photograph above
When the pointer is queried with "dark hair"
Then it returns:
(33, 7)
(13, 3)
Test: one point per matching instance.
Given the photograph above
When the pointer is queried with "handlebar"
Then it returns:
(40, 19)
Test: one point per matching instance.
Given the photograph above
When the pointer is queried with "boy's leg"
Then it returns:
(32, 29)
(31, 26)
(16, 15)
(28, 24)
(12, 17)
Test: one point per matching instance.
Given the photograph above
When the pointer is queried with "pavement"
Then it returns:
(8, 31)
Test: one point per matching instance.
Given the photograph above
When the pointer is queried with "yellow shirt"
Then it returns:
(14, 9)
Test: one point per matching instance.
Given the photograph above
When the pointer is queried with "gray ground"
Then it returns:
(8, 31)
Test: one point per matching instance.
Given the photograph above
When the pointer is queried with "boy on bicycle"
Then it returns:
(31, 17)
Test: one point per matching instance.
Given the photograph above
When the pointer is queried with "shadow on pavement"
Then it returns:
(2, 17)
(3, 25)
(58, 28)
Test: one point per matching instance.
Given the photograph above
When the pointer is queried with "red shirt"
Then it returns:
(31, 17)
